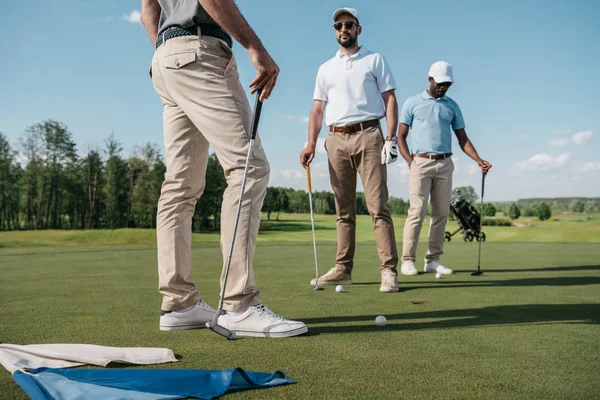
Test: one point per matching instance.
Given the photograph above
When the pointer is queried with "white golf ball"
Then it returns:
(381, 321)
(438, 276)
(339, 288)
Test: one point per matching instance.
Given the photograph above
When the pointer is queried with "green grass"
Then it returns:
(528, 328)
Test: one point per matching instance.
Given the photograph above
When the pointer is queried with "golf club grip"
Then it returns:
(308, 178)
(256, 113)
(482, 185)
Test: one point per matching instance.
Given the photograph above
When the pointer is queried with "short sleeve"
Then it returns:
(320, 87)
(406, 113)
(458, 121)
(383, 75)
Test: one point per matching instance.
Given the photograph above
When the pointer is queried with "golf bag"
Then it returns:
(468, 218)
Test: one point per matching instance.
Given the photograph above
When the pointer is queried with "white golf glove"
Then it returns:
(389, 153)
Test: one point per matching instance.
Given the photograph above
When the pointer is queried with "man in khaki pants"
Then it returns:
(430, 115)
(195, 75)
(358, 87)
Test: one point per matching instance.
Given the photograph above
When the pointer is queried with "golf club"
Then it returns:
(478, 272)
(214, 324)
(312, 220)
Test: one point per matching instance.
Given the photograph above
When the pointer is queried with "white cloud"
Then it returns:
(107, 19)
(544, 161)
(591, 166)
(562, 131)
(559, 142)
(473, 170)
(300, 118)
(133, 17)
(320, 146)
(582, 137)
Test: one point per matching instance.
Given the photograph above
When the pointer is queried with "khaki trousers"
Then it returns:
(428, 178)
(204, 104)
(360, 152)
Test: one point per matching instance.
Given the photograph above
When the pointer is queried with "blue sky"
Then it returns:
(527, 79)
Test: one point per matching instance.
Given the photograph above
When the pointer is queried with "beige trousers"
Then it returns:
(428, 178)
(204, 104)
(348, 154)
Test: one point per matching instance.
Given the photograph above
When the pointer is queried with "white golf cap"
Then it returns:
(441, 71)
(347, 10)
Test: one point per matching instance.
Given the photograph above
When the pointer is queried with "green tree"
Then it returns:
(324, 202)
(466, 193)
(208, 208)
(284, 201)
(543, 211)
(514, 212)
(489, 210)
(271, 202)
(361, 204)
(115, 189)
(577, 206)
(397, 206)
(298, 201)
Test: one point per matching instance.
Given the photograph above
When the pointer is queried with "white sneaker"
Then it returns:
(408, 268)
(435, 266)
(259, 321)
(194, 318)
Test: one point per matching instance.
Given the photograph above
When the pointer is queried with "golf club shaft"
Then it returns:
(254, 125)
(480, 222)
(312, 221)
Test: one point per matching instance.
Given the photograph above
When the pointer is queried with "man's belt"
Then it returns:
(433, 156)
(205, 30)
(361, 126)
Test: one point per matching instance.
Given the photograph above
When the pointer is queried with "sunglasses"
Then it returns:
(347, 24)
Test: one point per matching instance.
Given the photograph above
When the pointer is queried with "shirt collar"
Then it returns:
(426, 96)
(362, 50)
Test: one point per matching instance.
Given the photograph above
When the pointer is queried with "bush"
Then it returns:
(543, 211)
(489, 210)
(496, 222)
(514, 212)
(529, 212)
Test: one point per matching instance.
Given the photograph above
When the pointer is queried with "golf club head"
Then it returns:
(226, 333)
(316, 287)
(476, 273)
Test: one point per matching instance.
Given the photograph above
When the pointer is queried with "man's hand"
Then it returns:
(484, 166)
(390, 152)
(307, 155)
(267, 72)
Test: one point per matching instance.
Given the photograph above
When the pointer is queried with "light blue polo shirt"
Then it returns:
(430, 120)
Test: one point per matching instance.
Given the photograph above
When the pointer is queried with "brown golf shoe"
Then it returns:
(335, 276)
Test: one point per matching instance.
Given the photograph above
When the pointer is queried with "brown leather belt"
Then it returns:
(433, 156)
(361, 126)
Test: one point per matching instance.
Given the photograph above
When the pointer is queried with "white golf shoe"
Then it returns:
(191, 318)
(435, 266)
(259, 321)
(408, 268)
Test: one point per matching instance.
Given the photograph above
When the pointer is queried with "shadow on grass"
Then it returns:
(558, 281)
(465, 318)
(287, 226)
(549, 269)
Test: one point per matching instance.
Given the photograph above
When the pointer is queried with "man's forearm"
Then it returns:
(149, 16)
(314, 127)
(469, 150)
(228, 16)
(391, 115)
(402, 145)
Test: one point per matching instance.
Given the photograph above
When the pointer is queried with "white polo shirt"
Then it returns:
(352, 87)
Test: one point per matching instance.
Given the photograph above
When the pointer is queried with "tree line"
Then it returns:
(45, 184)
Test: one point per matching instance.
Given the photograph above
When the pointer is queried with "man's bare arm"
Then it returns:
(391, 112)
(469, 149)
(228, 16)
(402, 145)
(150, 16)
(314, 127)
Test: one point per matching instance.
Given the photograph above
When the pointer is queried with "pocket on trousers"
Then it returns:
(179, 60)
